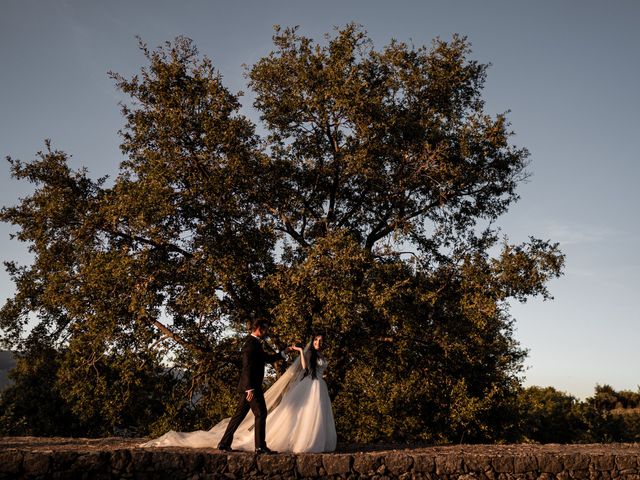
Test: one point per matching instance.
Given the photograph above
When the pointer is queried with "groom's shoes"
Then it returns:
(264, 451)
(224, 448)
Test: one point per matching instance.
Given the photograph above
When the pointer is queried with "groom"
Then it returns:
(250, 387)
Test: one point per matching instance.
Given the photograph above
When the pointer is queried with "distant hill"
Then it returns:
(7, 362)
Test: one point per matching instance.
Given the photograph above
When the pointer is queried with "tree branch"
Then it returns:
(174, 336)
(383, 229)
(336, 176)
(288, 228)
(146, 241)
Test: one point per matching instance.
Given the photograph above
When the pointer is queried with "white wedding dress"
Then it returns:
(300, 418)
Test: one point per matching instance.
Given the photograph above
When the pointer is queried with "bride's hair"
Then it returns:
(313, 360)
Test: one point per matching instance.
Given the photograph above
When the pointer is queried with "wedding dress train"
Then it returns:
(300, 418)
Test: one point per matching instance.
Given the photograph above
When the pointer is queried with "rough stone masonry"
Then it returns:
(118, 458)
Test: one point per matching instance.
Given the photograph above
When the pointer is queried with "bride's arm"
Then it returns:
(303, 360)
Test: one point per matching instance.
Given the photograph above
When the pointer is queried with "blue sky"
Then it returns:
(567, 70)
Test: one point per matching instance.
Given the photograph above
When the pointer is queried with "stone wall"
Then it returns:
(120, 459)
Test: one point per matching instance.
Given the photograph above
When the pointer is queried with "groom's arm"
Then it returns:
(274, 357)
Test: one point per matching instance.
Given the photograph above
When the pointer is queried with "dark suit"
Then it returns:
(251, 377)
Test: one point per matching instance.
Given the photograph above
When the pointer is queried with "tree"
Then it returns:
(43, 410)
(550, 416)
(367, 212)
(611, 416)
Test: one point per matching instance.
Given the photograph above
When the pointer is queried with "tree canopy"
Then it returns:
(367, 211)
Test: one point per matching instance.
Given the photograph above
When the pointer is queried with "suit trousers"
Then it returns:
(259, 408)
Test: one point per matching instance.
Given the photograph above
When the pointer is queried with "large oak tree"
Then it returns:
(366, 212)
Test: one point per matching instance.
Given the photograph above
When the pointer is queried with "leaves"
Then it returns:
(358, 215)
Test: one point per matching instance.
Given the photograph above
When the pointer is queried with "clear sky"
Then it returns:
(569, 72)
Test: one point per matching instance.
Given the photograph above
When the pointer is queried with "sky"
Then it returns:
(567, 71)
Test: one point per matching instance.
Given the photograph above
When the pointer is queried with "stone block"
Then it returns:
(627, 472)
(36, 463)
(398, 463)
(145, 476)
(120, 460)
(488, 475)
(65, 475)
(418, 476)
(337, 464)
(579, 474)
(576, 461)
(511, 476)
(214, 463)
(599, 475)
(448, 464)
(424, 463)
(308, 465)
(625, 462)
(549, 463)
(503, 464)
(166, 461)
(275, 464)
(524, 464)
(604, 462)
(366, 464)
(141, 460)
(241, 463)
(193, 462)
(63, 461)
(10, 462)
(477, 463)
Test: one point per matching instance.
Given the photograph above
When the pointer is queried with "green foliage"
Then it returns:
(366, 212)
(550, 416)
(34, 404)
(612, 416)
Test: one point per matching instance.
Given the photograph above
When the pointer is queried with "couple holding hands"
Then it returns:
(293, 415)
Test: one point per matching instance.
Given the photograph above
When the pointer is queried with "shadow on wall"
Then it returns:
(7, 362)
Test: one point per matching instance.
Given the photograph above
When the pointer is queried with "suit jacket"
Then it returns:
(253, 361)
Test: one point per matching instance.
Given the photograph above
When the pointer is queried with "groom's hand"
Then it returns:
(249, 395)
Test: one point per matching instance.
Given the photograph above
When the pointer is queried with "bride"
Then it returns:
(300, 418)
